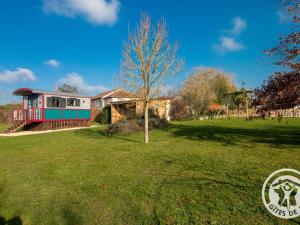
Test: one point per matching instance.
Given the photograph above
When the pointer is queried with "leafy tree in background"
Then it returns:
(204, 87)
(282, 90)
(68, 89)
(240, 99)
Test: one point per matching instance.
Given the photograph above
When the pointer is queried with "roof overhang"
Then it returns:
(29, 91)
(123, 102)
(105, 94)
(23, 92)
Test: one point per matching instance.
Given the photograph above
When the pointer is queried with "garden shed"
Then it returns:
(126, 110)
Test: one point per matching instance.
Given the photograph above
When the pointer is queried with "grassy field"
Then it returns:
(3, 127)
(195, 172)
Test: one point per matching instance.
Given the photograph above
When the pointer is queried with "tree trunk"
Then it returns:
(247, 108)
(146, 122)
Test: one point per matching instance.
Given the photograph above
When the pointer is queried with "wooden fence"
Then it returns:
(6, 116)
(287, 113)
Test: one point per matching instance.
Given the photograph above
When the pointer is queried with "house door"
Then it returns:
(34, 112)
(33, 101)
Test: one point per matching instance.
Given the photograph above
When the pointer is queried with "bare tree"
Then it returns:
(148, 60)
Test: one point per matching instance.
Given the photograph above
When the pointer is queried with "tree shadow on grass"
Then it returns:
(125, 139)
(70, 217)
(177, 174)
(238, 136)
(91, 133)
(13, 221)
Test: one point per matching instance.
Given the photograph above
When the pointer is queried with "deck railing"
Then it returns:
(27, 115)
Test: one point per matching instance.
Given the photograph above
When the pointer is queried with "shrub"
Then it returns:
(130, 126)
(105, 116)
(179, 110)
(126, 126)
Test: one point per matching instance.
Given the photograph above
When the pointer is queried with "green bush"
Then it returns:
(105, 116)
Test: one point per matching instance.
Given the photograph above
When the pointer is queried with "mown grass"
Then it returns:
(195, 172)
(3, 127)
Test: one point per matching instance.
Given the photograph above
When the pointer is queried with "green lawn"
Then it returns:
(196, 172)
(3, 127)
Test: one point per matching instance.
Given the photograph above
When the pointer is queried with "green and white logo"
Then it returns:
(281, 193)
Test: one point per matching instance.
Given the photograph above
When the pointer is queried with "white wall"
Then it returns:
(168, 109)
(39, 101)
(25, 102)
(96, 103)
(101, 103)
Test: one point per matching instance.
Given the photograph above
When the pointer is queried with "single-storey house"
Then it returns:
(124, 106)
(106, 98)
(125, 110)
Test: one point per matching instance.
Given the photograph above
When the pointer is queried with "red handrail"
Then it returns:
(28, 115)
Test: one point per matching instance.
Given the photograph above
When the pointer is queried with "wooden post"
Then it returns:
(227, 111)
(247, 112)
(293, 112)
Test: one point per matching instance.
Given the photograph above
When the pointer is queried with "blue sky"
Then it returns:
(47, 42)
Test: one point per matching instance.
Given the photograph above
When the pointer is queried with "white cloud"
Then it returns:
(98, 12)
(52, 62)
(238, 26)
(228, 44)
(20, 74)
(282, 16)
(78, 81)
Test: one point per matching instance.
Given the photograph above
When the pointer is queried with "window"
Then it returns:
(73, 102)
(33, 101)
(96, 103)
(56, 102)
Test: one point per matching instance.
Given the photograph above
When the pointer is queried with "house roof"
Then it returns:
(120, 94)
(115, 93)
(134, 100)
(163, 98)
(29, 91)
(104, 94)
(123, 102)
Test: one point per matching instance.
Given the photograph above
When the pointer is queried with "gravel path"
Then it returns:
(24, 133)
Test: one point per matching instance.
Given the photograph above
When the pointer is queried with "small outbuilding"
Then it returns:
(124, 106)
(43, 110)
(126, 110)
